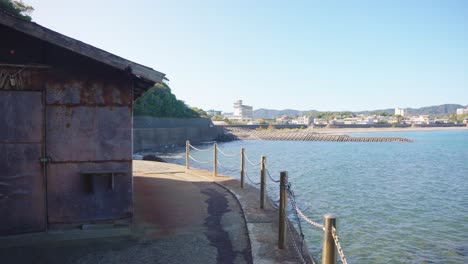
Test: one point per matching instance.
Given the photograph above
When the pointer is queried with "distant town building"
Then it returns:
(283, 120)
(303, 120)
(462, 111)
(400, 111)
(213, 112)
(419, 120)
(242, 113)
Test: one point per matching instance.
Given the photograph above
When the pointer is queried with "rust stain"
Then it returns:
(85, 93)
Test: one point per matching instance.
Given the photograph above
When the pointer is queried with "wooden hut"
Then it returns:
(65, 129)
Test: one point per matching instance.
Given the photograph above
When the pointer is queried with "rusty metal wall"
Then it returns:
(88, 126)
(88, 112)
(70, 201)
(22, 193)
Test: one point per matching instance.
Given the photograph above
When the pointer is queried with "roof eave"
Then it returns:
(79, 47)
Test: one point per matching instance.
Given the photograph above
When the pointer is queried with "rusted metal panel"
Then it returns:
(22, 195)
(70, 200)
(89, 91)
(89, 128)
(77, 134)
(21, 116)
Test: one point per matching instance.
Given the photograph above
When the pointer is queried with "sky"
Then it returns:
(322, 55)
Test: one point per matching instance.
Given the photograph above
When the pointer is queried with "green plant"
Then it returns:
(17, 8)
(160, 102)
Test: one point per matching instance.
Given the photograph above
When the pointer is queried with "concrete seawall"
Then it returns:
(154, 133)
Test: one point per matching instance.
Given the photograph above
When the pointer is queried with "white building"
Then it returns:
(422, 119)
(462, 111)
(242, 113)
(400, 111)
(303, 120)
(283, 120)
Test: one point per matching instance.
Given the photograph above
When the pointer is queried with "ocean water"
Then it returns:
(395, 202)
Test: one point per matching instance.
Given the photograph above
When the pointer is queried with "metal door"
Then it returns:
(22, 192)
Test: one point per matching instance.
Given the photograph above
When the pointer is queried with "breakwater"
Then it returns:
(303, 135)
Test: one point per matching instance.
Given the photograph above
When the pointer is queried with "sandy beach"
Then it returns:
(340, 131)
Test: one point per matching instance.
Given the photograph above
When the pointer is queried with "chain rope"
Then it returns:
(271, 178)
(292, 200)
(198, 161)
(248, 177)
(195, 148)
(338, 247)
(298, 214)
(229, 170)
(226, 155)
(308, 220)
(251, 163)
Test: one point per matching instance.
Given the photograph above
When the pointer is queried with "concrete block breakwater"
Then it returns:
(279, 135)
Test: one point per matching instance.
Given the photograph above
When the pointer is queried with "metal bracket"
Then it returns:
(45, 159)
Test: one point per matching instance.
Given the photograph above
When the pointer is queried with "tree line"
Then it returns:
(159, 101)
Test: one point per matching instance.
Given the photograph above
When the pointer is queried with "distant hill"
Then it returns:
(436, 110)
(444, 109)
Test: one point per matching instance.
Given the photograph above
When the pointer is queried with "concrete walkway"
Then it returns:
(179, 217)
(194, 219)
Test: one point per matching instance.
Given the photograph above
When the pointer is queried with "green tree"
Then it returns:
(160, 102)
(16, 8)
(381, 113)
(262, 121)
(399, 119)
(217, 118)
(201, 113)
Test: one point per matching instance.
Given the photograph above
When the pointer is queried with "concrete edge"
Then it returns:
(243, 213)
(297, 237)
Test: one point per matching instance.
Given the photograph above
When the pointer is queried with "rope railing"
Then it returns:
(198, 161)
(227, 155)
(299, 213)
(230, 170)
(250, 162)
(308, 220)
(338, 247)
(331, 243)
(197, 149)
(250, 179)
(271, 178)
(292, 199)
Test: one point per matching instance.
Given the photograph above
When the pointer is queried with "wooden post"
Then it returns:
(328, 247)
(282, 210)
(242, 168)
(215, 160)
(187, 153)
(262, 183)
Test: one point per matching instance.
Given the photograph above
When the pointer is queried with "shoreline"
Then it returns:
(343, 131)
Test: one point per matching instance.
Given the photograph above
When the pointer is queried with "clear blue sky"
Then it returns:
(339, 55)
